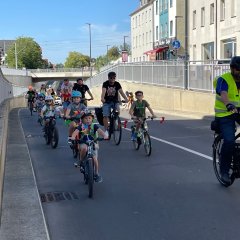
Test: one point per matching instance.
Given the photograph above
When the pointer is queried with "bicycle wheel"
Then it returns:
(147, 143)
(217, 145)
(40, 121)
(54, 138)
(75, 150)
(47, 136)
(117, 130)
(90, 177)
(31, 107)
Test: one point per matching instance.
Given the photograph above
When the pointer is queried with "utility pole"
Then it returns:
(90, 50)
(124, 42)
(107, 53)
(16, 60)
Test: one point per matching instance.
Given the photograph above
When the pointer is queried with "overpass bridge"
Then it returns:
(58, 74)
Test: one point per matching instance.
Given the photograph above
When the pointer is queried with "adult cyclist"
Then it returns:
(31, 96)
(82, 88)
(110, 98)
(227, 102)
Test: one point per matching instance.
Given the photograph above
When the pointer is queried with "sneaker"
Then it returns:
(70, 141)
(98, 178)
(77, 164)
(225, 178)
(106, 133)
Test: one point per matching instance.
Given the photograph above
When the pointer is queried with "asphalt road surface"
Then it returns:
(173, 194)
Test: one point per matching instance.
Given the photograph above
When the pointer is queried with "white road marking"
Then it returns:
(179, 146)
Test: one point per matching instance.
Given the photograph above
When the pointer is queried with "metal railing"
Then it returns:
(199, 77)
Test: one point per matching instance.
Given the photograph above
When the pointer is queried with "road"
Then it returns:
(173, 194)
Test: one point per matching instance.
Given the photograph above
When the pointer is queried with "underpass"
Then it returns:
(173, 194)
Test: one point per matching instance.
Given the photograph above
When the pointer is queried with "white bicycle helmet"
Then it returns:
(49, 98)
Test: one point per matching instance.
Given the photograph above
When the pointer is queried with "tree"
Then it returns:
(113, 53)
(59, 65)
(29, 54)
(76, 60)
(128, 48)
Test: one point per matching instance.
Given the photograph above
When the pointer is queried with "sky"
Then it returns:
(59, 26)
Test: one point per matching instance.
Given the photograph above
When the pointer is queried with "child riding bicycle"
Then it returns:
(88, 128)
(138, 112)
(74, 111)
(47, 111)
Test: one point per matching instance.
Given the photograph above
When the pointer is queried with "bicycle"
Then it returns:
(87, 167)
(115, 127)
(85, 100)
(51, 132)
(30, 106)
(143, 137)
(216, 146)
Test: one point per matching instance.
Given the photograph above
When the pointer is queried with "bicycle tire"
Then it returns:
(217, 144)
(31, 107)
(75, 150)
(90, 176)
(54, 137)
(117, 130)
(47, 136)
(147, 143)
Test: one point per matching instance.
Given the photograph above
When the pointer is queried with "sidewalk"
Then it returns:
(22, 216)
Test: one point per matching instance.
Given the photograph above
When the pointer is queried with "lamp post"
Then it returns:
(107, 53)
(90, 50)
(124, 42)
(16, 55)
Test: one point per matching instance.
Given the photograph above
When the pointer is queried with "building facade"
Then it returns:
(142, 30)
(214, 29)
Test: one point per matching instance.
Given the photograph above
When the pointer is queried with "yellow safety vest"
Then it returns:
(233, 96)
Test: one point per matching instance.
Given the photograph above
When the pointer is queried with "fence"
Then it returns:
(199, 76)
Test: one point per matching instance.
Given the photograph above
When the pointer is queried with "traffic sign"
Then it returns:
(176, 44)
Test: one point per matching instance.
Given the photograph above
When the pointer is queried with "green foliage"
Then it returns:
(59, 65)
(128, 48)
(76, 60)
(29, 54)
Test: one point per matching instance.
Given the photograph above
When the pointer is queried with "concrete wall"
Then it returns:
(5, 108)
(168, 99)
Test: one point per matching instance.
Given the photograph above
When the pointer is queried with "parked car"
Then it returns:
(58, 101)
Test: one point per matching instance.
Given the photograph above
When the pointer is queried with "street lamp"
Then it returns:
(16, 55)
(90, 49)
(124, 42)
(107, 53)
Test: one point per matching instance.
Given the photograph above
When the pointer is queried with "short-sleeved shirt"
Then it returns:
(223, 86)
(68, 86)
(81, 88)
(48, 111)
(139, 108)
(76, 109)
(87, 130)
(111, 94)
(66, 97)
(31, 95)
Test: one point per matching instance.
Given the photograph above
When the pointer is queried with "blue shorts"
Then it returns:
(107, 108)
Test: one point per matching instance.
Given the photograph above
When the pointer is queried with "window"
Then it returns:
(222, 10)
(194, 52)
(166, 30)
(233, 8)
(229, 48)
(157, 7)
(157, 32)
(212, 13)
(143, 39)
(171, 28)
(208, 51)
(202, 16)
(194, 19)
(146, 37)
(161, 31)
(171, 3)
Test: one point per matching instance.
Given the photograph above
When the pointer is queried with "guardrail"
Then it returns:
(200, 75)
